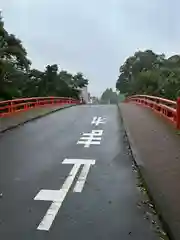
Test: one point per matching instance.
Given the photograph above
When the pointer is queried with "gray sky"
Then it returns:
(92, 36)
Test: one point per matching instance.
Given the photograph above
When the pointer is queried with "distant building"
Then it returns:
(84, 94)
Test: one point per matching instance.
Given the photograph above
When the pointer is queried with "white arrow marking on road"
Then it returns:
(98, 120)
(58, 196)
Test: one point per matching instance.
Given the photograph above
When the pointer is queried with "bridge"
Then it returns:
(66, 169)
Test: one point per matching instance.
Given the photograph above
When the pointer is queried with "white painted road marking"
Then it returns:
(92, 138)
(82, 178)
(98, 120)
(58, 196)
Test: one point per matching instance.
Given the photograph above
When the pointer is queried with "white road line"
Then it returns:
(94, 138)
(79, 161)
(82, 178)
(87, 145)
(55, 206)
(58, 196)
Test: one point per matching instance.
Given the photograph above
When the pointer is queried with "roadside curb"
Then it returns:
(33, 118)
(140, 166)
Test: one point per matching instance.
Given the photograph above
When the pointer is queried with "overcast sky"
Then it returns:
(93, 36)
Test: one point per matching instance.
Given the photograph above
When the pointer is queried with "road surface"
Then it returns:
(53, 188)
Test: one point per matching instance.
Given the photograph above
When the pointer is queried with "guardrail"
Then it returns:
(165, 107)
(24, 104)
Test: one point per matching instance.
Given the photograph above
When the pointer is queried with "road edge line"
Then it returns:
(139, 164)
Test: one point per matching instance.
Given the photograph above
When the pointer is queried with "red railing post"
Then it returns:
(52, 100)
(37, 102)
(26, 106)
(178, 113)
(11, 107)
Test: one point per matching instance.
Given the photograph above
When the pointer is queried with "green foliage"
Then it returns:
(150, 73)
(17, 79)
(109, 97)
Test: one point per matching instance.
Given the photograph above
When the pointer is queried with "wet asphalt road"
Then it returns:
(31, 159)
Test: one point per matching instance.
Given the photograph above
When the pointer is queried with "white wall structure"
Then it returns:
(84, 94)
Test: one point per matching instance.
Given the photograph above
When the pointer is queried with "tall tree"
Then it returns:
(109, 97)
(150, 73)
(13, 58)
(18, 80)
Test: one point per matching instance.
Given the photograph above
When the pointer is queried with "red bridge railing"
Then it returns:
(24, 104)
(165, 107)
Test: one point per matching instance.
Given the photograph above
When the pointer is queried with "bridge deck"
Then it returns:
(18, 118)
(156, 146)
(50, 193)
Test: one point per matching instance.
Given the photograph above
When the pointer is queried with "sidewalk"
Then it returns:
(156, 148)
(20, 118)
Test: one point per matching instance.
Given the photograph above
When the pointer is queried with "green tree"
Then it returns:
(79, 81)
(18, 80)
(150, 73)
(109, 97)
(13, 59)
